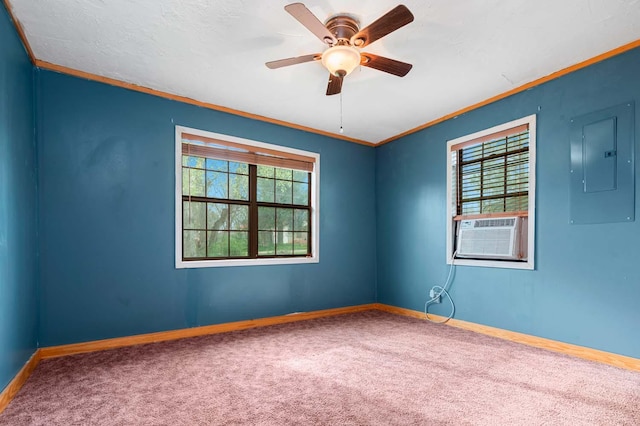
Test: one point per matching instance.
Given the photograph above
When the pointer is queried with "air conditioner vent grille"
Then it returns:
(489, 238)
(494, 223)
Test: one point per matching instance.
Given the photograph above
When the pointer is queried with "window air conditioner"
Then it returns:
(489, 238)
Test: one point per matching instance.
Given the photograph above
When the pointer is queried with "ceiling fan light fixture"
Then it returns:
(341, 60)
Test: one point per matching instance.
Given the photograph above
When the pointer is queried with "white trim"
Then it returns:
(315, 205)
(529, 264)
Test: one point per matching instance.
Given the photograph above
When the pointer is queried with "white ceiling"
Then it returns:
(462, 52)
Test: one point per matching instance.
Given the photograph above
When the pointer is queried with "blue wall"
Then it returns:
(586, 286)
(106, 176)
(18, 226)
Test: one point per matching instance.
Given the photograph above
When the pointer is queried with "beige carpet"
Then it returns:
(366, 368)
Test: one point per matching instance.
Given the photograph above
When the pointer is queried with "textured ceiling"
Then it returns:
(462, 52)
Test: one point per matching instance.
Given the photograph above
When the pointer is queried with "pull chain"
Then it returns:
(341, 129)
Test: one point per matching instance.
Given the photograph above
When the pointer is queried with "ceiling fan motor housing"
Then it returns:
(343, 27)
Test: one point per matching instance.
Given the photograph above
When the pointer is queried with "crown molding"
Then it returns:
(20, 30)
(527, 86)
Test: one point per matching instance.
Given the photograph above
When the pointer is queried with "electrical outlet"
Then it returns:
(435, 298)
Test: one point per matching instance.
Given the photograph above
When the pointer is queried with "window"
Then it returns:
(241, 202)
(491, 196)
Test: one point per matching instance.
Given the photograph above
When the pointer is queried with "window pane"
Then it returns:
(495, 147)
(300, 243)
(283, 192)
(266, 218)
(518, 141)
(284, 219)
(193, 244)
(301, 220)
(266, 171)
(185, 160)
(518, 173)
(196, 179)
(493, 177)
(284, 244)
(185, 181)
(197, 162)
(239, 243)
(299, 176)
(219, 165)
(266, 190)
(217, 216)
(240, 168)
(217, 185)
(515, 204)
(471, 183)
(218, 244)
(471, 207)
(239, 187)
(472, 153)
(301, 194)
(239, 217)
(266, 243)
(193, 215)
(517, 187)
(493, 206)
(285, 174)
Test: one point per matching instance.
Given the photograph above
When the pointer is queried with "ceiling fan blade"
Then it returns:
(309, 20)
(385, 64)
(292, 61)
(396, 18)
(335, 84)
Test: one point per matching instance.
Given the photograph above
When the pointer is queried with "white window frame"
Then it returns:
(315, 205)
(531, 226)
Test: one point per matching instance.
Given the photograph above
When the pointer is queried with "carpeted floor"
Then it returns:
(365, 368)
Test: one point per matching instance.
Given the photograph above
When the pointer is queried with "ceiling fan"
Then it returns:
(345, 39)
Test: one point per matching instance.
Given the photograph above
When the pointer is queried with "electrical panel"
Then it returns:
(602, 169)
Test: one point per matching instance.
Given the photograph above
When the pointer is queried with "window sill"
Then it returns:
(488, 263)
(180, 264)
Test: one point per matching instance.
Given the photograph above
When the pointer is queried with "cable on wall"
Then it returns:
(435, 295)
